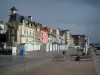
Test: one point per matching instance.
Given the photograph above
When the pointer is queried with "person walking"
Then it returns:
(77, 58)
(64, 53)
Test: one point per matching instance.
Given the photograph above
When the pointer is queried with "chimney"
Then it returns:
(22, 19)
(30, 21)
(30, 18)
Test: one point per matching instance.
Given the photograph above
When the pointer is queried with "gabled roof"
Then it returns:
(47, 28)
(62, 32)
(17, 18)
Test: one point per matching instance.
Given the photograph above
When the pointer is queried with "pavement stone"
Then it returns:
(96, 57)
(8, 60)
(13, 63)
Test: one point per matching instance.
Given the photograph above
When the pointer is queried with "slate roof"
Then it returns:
(76, 36)
(13, 8)
(17, 18)
(62, 32)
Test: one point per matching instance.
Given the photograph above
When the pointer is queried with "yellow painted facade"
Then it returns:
(69, 39)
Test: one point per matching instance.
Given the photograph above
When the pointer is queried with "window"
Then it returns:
(30, 32)
(20, 30)
(33, 32)
(27, 31)
(42, 34)
(27, 40)
(38, 29)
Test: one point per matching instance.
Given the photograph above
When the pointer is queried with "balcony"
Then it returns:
(22, 35)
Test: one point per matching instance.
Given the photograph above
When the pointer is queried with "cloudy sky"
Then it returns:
(80, 16)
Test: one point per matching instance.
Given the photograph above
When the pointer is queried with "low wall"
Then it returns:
(96, 57)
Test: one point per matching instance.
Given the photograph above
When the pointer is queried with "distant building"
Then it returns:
(20, 28)
(44, 36)
(63, 36)
(51, 35)
(68, 37)
(37, 27)
(58, 36)
(79, 40)
(71, 40)
(2, 27)
(3, 37)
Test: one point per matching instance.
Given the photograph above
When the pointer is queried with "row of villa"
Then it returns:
(22, 32)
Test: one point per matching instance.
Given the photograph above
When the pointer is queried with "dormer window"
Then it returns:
(38, 29)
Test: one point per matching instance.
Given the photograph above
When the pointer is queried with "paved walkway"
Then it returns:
(84, 67)
(8, 60)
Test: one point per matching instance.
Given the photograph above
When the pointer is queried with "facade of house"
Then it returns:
(2, 27)
(44, 36)
(58, 36)
(51, 35)
(71, 41)
(33, 36)
(37, 27)
(79, 40)
(3, 37)
(68, 37)
(21, 31)
(25, 34)
(76, 40)
(61, 38)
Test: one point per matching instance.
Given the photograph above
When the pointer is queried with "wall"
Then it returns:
(53, 47)
(44, 37)
(2, 26)
(26, 34)
(37, 36)
(96, 57)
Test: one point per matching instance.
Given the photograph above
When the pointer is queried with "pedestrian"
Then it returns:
(77, 58)
(63, 52)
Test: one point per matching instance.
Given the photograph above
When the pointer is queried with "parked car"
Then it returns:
(7, 51)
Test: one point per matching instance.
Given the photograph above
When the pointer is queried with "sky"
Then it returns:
(79, 16)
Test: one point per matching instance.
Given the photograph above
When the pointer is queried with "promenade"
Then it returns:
(40, 63)
(69, 67)
(84, 67)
